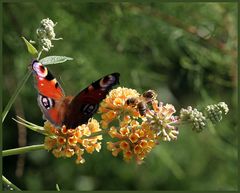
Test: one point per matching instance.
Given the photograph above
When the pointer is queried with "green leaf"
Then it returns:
(10, 184)
(31, 49)
(31, 126)
(54, 59)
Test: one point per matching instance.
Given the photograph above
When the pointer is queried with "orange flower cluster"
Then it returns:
(141, 127)
(68, 142)
(114, 105)
(134, 140)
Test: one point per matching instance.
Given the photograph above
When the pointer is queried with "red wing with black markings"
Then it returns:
(66, 110)
(50, 93)
(85, 104)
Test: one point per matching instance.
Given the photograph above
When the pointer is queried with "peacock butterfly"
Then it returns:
(67, 110)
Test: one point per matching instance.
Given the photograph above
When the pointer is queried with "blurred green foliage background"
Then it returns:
(187, 52)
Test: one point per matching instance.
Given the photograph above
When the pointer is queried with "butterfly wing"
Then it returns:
(51, 96)
(85, 104)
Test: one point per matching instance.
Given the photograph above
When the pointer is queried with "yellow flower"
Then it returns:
(89, 149)
(110, 146)
(94, 126)
(97, 146)
(49, 128)
(114, 133)
(69, 142)
(116, 151)
(61, 140)
(127, 118)
(63, 129)
(143, 144)
(137, 149)
(133, 137)
(49, 143)
(127, 155)
(57, 152)
(72, 140)
(69, 152)
(118, 102)
(124, 145)
(123, 124)
(80, 160)
(124, 131)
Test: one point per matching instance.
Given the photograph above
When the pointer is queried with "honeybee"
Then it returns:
(149, 96)
(141, 102)
(133, 101)
(142, 108)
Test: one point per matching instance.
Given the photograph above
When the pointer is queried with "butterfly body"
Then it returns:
(67, 110)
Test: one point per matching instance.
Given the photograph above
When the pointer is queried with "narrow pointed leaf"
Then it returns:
(57, 187)
(31, 49)
(10, 184)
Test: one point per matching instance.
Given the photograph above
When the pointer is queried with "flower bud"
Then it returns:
(46, 34)
(195, 117)
(46, 44)
(215, 112)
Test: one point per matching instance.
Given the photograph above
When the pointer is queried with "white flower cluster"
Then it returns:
(196, 117)
(46, 34)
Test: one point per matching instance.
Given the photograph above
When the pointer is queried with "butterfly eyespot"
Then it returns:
(89, 109)
(103, 83)
(40, 69)
(107, 81)
(46, 102)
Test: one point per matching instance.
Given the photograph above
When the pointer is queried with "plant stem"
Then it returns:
(15, 94)
(5, 180)
(18, 89)
(21, 150)
(39, 54)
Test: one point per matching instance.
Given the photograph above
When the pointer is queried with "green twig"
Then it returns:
(39, 54)
(22, 150)
(6, 181)
(15, 94)
(31, 126)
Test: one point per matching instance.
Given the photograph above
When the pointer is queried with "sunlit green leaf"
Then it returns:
(31, 49)
(57, 187)
(54, 59)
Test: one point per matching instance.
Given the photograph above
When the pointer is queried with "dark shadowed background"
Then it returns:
(187, 52)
